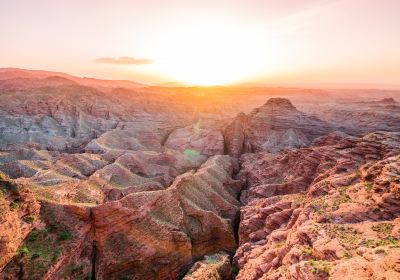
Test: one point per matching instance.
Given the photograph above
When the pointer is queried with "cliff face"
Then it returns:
(109, 183)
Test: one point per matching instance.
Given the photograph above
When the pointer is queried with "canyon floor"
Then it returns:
(117, 180)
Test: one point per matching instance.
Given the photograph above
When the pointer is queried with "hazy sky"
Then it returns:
(207, 41)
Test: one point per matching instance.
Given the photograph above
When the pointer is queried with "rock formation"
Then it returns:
(213, 267)
(157, 234)
(325, 211)
(148, 235)
(275, 126)
(18, 213)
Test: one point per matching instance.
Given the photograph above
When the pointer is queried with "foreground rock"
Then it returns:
(214, 267)
(144, 235)
(157, 234)
(18, 213)
(59, 247)
(330, 211)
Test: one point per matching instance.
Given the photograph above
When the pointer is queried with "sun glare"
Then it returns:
(213, 54)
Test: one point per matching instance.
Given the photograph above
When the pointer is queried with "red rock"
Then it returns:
(19, 211)
(59, 247)
(157, 234)
(343, 198)
(214, 267)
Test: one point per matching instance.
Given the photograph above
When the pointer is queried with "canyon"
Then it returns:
(119, 180)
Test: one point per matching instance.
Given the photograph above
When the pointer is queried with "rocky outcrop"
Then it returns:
(59, 247)
(325, 211)
(275, 126)
(213, 267)
(19, 211)
(235, 138)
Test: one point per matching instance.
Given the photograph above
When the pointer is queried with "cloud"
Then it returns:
(124, 60)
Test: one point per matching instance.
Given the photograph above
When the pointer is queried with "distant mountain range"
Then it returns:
(50, 77)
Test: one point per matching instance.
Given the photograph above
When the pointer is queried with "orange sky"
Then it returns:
(348, 42)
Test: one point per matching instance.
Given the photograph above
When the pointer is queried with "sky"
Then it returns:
(207, 42)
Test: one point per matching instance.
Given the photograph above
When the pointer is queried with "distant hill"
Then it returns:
(17, 74)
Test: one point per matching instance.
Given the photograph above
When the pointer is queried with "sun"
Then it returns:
(210, 54)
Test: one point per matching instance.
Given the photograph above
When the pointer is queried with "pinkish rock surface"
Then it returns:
(18, 213)
(322, 212)
(212, 267)
(275, 126)
(157, 234)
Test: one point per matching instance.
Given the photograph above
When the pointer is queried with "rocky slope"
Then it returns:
(144, 235)
(18, 213)
(157, 234)
(326, 211)
(212, 267)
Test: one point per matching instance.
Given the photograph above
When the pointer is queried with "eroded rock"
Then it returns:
(329, 212)
(19, 211)
(157, 234)
(213, 267)
(275, 126)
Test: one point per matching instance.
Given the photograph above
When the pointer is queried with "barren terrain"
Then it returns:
(119, 180)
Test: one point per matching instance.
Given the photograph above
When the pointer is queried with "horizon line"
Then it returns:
(249, 84)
